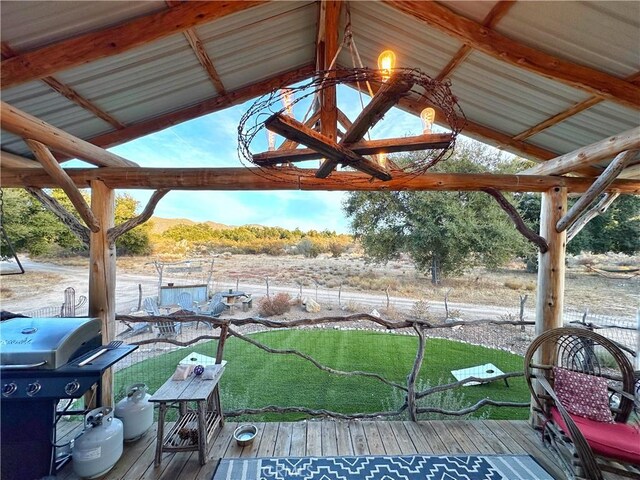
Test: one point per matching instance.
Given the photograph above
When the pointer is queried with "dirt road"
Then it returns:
(127, 294)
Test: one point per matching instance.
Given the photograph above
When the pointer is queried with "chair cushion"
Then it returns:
(614, 440)
(582, 394)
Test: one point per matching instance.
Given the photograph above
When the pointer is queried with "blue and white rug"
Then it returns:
(413, 467)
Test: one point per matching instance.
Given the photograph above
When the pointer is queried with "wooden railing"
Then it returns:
(410, 390)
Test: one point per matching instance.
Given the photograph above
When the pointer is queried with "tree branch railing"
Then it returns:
(229, 328)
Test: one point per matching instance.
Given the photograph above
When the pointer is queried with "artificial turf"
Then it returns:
(254, 378)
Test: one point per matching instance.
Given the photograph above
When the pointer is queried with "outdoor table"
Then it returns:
(231, 297)
(206, 417)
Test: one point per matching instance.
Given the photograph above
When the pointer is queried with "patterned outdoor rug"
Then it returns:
(414, 467)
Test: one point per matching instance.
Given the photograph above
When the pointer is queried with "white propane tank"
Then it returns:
(99, 447)
(135, 411)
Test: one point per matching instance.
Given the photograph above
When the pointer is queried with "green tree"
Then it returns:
(35, 230)
(443, 232)
(618, 230)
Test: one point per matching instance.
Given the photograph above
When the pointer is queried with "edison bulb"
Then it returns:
(386, 63)
(286, 94)
(428, 116)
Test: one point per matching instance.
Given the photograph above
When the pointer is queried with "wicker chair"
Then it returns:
(586, 446)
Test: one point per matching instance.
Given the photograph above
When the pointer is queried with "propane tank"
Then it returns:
(99, 446)
(135, 411)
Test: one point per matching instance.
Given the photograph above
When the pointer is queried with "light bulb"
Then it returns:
(386, 63)
(428, 116)
(271, 137)
(382, 160)
(286, 95)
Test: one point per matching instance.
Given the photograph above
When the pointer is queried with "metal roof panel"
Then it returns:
(51, 21)
(598, 34)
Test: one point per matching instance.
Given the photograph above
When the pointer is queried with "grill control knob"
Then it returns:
(9, 389)
(72, 387)
(33, 388)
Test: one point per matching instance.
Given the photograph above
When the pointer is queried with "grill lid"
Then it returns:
(54, 341)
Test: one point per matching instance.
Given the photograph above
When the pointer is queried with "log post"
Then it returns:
(102, 275)
(550, 293)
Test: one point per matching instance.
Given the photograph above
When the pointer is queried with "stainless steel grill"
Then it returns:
(39, 365)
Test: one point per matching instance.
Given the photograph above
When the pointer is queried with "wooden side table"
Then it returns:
(194, 428)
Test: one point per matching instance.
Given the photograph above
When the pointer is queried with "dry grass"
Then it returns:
(502, 287)
(36, 283)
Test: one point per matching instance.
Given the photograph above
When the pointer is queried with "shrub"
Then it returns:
(276, 305)
(309, 248)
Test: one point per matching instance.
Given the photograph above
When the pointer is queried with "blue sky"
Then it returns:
(211, 141)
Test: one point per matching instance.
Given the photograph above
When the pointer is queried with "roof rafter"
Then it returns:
(201, 54)
(608, 147)
(29, 127)
(211, 105)
(326, 49)
(507, 50)
(569, 112)
(113, 40)
(68, 92)
(499, 10)
(235, 179)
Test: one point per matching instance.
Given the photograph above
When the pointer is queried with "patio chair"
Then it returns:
(166, 329)
(583, 395)
(213, 308)
(185, 301)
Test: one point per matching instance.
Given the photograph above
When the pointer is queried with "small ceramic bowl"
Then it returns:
(245, 434)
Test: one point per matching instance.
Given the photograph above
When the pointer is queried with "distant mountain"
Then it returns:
(163, 224)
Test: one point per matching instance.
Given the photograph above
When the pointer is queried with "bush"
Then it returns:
(276, 305)
(309, 248)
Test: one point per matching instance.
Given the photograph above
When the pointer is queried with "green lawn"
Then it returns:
(254, 378)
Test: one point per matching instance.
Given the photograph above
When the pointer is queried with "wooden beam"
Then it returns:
(519, 55)
(11, 160)
(290, 144)
(102, 274)
(109, 41)
(569, 112)
(291, 128)
(599, 186)
(599, 209)
(386, 97)
(364, 147)
(204, 59)
(53, 168)
(246, 179)
(499, 10)
(211, 105)
(629, 140)
(81, 232)
(68, 92)
(29, 127)
(326, 49)
(551, 264)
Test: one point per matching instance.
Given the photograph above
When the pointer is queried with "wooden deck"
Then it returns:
(332, 438)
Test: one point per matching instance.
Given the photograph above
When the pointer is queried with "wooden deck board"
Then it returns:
(333, 438)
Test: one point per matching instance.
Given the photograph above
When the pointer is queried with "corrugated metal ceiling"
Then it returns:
(264, 41)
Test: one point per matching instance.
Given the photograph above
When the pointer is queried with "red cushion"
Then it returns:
(614, 440)
(582, 394)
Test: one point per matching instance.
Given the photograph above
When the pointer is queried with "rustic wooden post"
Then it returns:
(102, 273)
(550, 294)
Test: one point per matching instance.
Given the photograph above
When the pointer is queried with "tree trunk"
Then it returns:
(435, 270)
